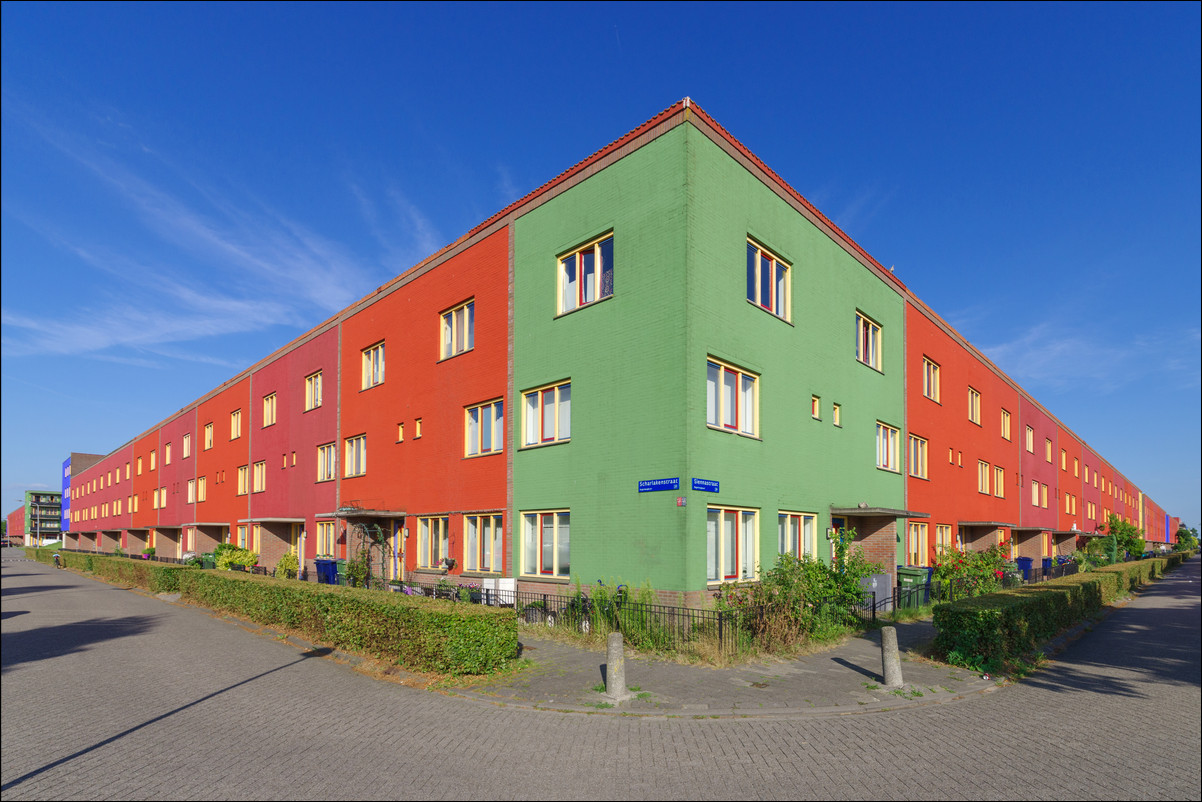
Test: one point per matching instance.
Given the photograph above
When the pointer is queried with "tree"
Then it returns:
(1187, 539)
(1129, 537)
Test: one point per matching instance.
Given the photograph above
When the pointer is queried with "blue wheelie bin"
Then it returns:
(1024, 565)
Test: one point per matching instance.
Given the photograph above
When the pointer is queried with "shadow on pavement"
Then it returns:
(45, 642)
(315, 652)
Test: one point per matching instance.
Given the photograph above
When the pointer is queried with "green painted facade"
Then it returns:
(681, 210)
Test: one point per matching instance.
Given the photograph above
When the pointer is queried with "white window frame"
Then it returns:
(546, 534)
(327, 537)
(373, 366)
(930, 379)
(797, 534)
(313, 391)
(732, 398)
(1030, 440)
(433, 540)
(243, 479)
(573, 291)
(868, 341)
(732, 535)
(202, 489)
(983, 476)
(918, 456)
(484, 429)
(236, 424)
(355, 455)
(1005, 424)
(483, 543)
(269, 403)
(208, 442)
(547, 414)
(457, 330)
(916, 544)
(999, 481)
(943, 538)
(887, 444)
(778, 294)
(327, 458)
(191, 491)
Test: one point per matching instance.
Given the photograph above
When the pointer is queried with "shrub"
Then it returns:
(416, 632)
(232, 555)
(288, 566)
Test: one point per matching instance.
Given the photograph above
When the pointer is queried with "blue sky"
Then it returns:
(188, 186)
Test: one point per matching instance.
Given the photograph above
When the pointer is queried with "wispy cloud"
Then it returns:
(1051, 356)
(210, 260)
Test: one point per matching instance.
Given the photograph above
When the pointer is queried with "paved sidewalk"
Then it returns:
(844, 680)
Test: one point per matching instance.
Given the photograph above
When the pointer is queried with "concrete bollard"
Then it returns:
(615, 668)
(890, 661)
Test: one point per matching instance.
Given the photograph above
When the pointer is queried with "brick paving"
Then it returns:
(111, 694)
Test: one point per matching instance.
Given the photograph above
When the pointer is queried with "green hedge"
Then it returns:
(418, 633)
(1001, 626)
(153, 576)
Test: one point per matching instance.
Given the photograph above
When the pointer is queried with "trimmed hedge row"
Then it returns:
(153, 576)
(419, 633)
(1011, 623)
(413, 631)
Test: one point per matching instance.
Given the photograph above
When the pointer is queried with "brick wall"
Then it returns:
(878, 538)
(1064, 545)
(271, 547)
(1029, 544)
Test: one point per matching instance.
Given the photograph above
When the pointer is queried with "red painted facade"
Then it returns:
(959, 449)
(414, 421)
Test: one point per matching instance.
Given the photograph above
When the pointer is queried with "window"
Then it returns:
(731, 398)
(432, 536)
(547, 415)
(356, 455)
(731, 537)
(796, 534)
(482, 546)
(241, 541)
(943, 538)
(243, 479)
(886, 446)
(930, 379)
(484, 428)
(1063, 460)
(1076, 467)
(325, 462)
(208, 439)
(153, 460)
(139, 466)
(269, 410)
(587, 274)
(126, 474)
(235, 424)
(400, 432)
(1030, 440)
(191, 491)
(166, 456)
(373, 366)
(458, 329)
(982, 477)
(1034, 493)
(546, 543)
(202, 489)
(999, 482)
(326, 537)
(1067, 504)
(767, 281)
(259, 479)
(1047, 450)
(1086, 474)
(868, 342)
(837, 414)
(916, 544)
(918, 457)
(974, 406)
(815, 407)
(417, 428)
(1043, 496)
(313, 391)
(1005, 425)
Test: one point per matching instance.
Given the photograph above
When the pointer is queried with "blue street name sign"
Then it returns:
(705, 485)
(651, 485)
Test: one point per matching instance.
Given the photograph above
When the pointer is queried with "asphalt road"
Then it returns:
(111, 694)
